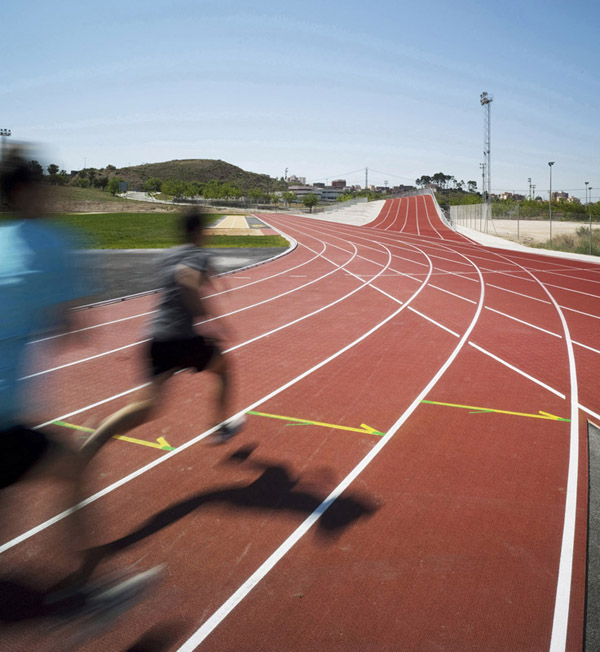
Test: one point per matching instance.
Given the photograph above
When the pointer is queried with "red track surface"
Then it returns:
(459, 529)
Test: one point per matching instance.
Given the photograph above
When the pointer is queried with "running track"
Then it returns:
(462, 527)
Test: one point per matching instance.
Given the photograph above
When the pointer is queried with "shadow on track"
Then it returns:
(274, 489)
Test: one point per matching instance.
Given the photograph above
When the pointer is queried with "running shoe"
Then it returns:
(106, 603)
(229, 429)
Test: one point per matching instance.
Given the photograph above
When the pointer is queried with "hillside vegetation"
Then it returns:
(187, 170)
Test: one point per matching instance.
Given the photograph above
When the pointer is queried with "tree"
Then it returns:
(288, 197)
(310, 200)
(36, 169)
(177, 189)
(101, 182)
(153, 185)
(113, 186)
(255, 194)
(52, 169)
(472, 186)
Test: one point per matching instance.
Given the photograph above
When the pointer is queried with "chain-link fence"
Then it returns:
(578, 232)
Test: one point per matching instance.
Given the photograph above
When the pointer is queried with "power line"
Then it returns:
(387, 174)
(337, 176)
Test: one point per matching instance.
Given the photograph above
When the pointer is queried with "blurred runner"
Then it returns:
(185, 276)
(38, 282)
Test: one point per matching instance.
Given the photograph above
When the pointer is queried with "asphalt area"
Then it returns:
(413, 474)
(121, 273)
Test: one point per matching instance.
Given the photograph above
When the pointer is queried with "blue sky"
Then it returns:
(320, 88)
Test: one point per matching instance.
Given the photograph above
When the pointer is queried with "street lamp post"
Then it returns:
(550, 164)
(590, 209)
(586, 189)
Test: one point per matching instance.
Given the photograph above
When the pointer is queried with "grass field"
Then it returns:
(148, 231)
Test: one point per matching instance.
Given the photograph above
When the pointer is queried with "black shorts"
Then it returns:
(194, 353)
(20, 449)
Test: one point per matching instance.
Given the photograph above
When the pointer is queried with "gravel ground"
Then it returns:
(525, 231)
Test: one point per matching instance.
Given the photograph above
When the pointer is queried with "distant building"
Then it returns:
(340, 184)
(574, 200)
(303, 190)
(331, 194)
(513, 196)
(297, 180)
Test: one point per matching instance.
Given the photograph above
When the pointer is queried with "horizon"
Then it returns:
(323, 94)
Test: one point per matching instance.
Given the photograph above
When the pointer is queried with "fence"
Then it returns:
(566, 231)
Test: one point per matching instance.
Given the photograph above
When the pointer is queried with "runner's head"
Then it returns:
(193, 225)
(20, 184)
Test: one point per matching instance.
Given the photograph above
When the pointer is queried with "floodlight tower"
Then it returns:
(5, 133)
(486, 102)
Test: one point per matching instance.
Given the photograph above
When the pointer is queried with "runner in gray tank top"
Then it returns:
(184, 274)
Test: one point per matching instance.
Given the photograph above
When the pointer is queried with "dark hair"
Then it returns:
(191, 222)
(15, 172)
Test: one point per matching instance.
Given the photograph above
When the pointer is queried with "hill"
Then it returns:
(69, 199)
(200, 170)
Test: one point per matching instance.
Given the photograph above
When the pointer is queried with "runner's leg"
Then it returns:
(127, 418)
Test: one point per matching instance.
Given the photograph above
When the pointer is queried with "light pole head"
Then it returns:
(486, 98)
(551, 163)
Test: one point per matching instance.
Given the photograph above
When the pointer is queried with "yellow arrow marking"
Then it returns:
(483, 410)
(364, 429)
(161, 442)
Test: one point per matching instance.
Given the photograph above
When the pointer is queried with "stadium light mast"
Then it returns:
(5, 133)
(486, 102)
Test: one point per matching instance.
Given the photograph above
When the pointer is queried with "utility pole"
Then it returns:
(550, 164)
(590, 209)
(366, 178)
(529, 181)
(586, 190)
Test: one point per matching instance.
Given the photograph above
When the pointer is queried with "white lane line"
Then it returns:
(563, 585)
(82, 360)
(441, 237)
(272, 276)
(525, 323)
(592, 414)
(395, 216)
(262, 571)
(585, 346)
(560, 287)
(435, 323)
(89, 328)
(562, 602)
(517, 370)
(55, 519)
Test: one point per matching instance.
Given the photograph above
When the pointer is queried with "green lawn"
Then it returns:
(148, 231)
